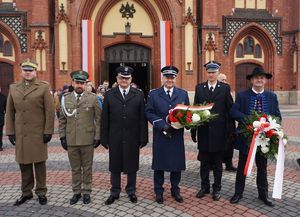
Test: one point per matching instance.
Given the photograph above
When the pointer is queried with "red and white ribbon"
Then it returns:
(194, 108)
(278, 180)
(251, 155)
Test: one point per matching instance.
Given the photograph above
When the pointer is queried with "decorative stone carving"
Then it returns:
(127, 10)
(62, 16)
(189, 17)
(39, 42)
(210, 43)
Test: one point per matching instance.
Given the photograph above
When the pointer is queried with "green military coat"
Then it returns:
(80, 123)
(30, 115)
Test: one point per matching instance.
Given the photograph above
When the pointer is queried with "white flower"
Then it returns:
(284, 141)
(262, 141)
(273, 124)
(256, 124)
(276, 156)
(206, 113)
(195, 118)
(280, 134)
(264, 149)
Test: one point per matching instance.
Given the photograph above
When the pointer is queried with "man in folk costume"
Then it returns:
(263, 101)
(29, 126)
(79, 132)
(212, 136)
(168, 143)
(124, 131)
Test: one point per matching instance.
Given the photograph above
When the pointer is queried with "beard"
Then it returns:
(79, 90)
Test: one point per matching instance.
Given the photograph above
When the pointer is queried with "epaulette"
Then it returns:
(153, 90)
(45, 82)
(92, 93)
(65, 94)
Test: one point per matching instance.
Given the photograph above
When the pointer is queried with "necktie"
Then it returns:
(168, 93)
(211, 89)
(78, 98)
(258, 103)
(124, 93)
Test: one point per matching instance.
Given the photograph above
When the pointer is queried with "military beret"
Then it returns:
(212, 66)
(124, 71)
(79, 75)
(259, 71)
(169, 71)
(29, 65)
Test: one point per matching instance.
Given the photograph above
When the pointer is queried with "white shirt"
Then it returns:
(171, 91)
(257, 92)
(126, 90)
(76, 94)
(212, 85)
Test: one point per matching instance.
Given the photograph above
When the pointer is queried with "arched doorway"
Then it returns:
(6, 77)
(240, 73)
(134, 55)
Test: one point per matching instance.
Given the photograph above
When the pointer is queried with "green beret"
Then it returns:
(79, 75)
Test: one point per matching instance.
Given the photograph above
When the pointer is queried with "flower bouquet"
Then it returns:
(267, 138)
(190, 116)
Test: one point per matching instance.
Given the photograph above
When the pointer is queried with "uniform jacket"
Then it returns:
(240, 110)
(30, 115)
(212, 136)
(124, 128)
(168, 153)
(84, 126)
(2, 108)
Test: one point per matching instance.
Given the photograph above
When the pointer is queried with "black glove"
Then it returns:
(105, 146)
(96, 143)
(168, 131)
(143, 144)
(47, 138)
(63, 142)
(12, 139)
(194, 134)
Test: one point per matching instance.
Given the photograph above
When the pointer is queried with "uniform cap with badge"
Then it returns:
(29, 65)
(79, 75)
(212, 66)
(169, 71)
(124, 71)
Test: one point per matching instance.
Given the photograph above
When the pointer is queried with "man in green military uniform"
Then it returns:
(79, 131)
(29, 126)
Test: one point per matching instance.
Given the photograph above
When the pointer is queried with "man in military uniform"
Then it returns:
(168, 143)
(29, 126)
(79, 131)
(124, 131)
(212, 136)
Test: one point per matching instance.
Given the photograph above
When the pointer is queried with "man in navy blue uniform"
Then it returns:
(212, 136)
(260, 100)
(168, 144)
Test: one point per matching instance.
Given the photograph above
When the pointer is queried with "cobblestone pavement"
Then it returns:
(59, 186)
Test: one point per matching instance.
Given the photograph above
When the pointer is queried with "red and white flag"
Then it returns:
(165, 43)
(87, 47)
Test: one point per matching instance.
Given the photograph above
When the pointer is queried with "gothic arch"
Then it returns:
(266, 42)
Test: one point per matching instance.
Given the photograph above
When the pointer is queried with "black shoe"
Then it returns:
(42, 199)
(86, 199)
(298, 161)
(216, 195)
(202, 192)
(111, 199)
(132, 198)
(266, 201)
(159, 198)
(22, 200)
(236, 198)
(1, 149)
(178, 198)
(231, 168)
(75, 199)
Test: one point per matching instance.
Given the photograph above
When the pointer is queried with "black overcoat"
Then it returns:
(212, 136)
(2, 108)
(124, 128)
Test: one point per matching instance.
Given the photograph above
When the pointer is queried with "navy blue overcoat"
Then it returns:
(240, 110)
(168, 153)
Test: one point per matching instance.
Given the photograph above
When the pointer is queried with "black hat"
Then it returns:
(79, 75)
(169, 71)
(259, 71)
(212, 66)
(124, 71)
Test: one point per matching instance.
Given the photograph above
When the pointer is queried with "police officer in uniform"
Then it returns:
(124, 131)
(29, 126)
(212, 136)
(168, 143)
(79, 131)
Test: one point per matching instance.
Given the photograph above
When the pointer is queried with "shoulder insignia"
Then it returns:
(65, 94)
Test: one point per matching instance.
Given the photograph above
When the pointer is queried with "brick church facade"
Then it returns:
(240, 34)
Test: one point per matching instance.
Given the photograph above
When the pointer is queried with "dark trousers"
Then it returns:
(228, 154)
(1, 135)
(261, 178)
(115, 181)
(159, 178)
(27, 175)
(207, 158)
